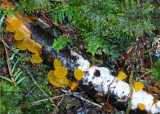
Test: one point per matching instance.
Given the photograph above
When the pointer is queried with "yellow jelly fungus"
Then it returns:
(9, 28)
(78, 74)
(36, 58)
(63, 80)
(16, 24)
(19, 35)
(121, 76)
(52, 79)
(57, 63)
(138, 86)
(73, 86)
(22, 44)
(141, 106)
(32, 47)
(60, 72)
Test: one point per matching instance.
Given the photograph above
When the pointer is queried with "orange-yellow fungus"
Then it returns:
(141, 106)
(9, 28)
(78, 74)
(73, 86)
(32, 47)
(16, 24)
(121, 76)
(138, 86)
(57, 63)
(61, 72)
(36, 58)
(22, 44)
(63, 80)
(19, 35)
(52, 79)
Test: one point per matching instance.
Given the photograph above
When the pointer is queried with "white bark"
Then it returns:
(120, 90)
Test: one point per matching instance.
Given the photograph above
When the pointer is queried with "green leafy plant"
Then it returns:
(60, 43)
(9, 11)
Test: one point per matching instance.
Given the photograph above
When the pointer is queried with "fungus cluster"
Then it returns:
(21, 40)
(58, 77)
(137, 85)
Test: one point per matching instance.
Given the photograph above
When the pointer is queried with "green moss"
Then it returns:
(10, 96)
(26, 91)
(107, 26)
(156, 70)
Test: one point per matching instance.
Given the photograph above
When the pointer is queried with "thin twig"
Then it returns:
(93, 103)
(147, 51)
(109, 90)
(8, 63)
(131, 91)
(38, 85)
(81, 98)
(55, 8)
(42, 100)
(51, 23)
(55, 109)
(142, 75)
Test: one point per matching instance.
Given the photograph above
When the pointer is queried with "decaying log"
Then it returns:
(97, 81)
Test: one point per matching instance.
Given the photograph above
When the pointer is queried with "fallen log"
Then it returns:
(97, 82)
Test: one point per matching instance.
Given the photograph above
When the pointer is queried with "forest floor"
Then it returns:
(26, 84)
(140, 56)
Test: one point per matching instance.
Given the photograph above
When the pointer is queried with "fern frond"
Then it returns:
(31, 5)
(134, 22)
(101, 20)
(60, 43)
(108, 19)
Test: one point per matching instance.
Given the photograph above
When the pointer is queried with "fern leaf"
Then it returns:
(31, 5)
